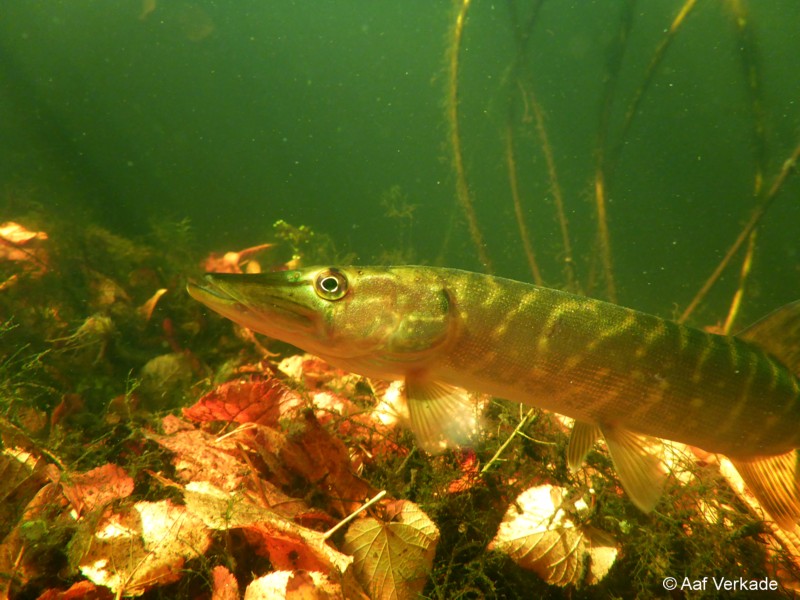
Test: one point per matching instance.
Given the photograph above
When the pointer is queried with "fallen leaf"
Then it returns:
(324, 461)
(133, 550)
(22, 475)
(260, 401)
(200, 456)
(146, 309)
(288, 545)
(19, 244)
(393, 556)
(225, 586)
(293, 585)
(470, 474)
(82, 590)
(19, 561)
(539, 535)
(96, 488)
(314, 373)
(232, 262)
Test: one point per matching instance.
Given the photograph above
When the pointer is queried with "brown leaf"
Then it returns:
(21, 474)
(200, 456)
(82, 590)
(470, 474)
(19, 244)
(285, 542)
(18, 563)
(261, 401)
(324, 461)
(133, 550)
(543, 538)
(225, 586)
(96, 488)
(393, 557)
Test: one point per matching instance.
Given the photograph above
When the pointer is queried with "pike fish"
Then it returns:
(623, 375)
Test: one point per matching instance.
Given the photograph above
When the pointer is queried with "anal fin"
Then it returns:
(639, 461)
(774, 482)
(442, 416)
(581, 440)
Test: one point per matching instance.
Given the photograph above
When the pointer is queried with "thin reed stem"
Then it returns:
(758, 213)
(652, 67)
(555, 189)
(513, 183)
(462, 187)
(736, 303)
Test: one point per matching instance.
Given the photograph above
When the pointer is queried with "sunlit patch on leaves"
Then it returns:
(393, 554)
(146, 545)
(293, 585)
(540, 535)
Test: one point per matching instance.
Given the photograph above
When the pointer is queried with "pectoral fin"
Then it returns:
(774, 481)
(583, 437)
(441, 416)
(639, 462)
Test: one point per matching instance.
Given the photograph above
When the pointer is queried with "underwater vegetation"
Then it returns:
(152, 449)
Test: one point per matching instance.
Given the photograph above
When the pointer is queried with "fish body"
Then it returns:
(622, 374)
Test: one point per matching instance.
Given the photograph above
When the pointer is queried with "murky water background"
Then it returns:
(333, 115)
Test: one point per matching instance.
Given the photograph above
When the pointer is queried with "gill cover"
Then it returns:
(394, 311)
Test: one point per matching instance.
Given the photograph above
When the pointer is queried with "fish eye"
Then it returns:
(331, 285)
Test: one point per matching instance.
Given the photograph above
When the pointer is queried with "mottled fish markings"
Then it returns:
(623, 375)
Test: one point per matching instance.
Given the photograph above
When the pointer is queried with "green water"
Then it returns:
(236, 114)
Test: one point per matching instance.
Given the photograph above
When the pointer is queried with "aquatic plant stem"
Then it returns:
(555, 189)
(652, 67)
(353, 515)
(749, 55)
(522, 423)
(616, 52)
(760, 209)
(603, 236)
(736, 303)
(462, 187)
(514, 185)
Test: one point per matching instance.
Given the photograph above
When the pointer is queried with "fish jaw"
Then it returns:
(274, 304)
(376, 321)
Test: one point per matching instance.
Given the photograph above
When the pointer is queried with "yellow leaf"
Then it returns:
(293, 585)
(543, 538)
(144, 546)
(393, 556)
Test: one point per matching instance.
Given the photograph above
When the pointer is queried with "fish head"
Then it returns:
(396, 315)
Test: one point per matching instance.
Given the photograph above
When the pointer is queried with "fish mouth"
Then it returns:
(270, 303)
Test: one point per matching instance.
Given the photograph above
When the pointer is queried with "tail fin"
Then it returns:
(775, 482)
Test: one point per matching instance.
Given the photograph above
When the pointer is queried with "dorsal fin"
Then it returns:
(779, 334)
